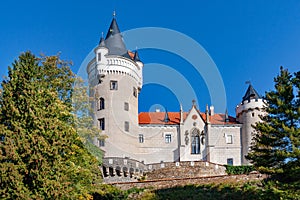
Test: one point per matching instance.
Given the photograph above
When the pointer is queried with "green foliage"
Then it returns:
(84, 123)
(244, 169)
(276, 147)
(250, 190)
(41, 155)
(108, 192)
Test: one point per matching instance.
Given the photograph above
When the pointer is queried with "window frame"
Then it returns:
(101, 103)
(230, 161)
(102, 123)
(134, 92)
(99, 57)
(229, 139)
(195, 144)
(126, 106)
(141, 138)
(101, 142)
(113, 85)
(168, 138)
(126, 126)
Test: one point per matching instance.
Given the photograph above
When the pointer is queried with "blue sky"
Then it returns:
(247, 40)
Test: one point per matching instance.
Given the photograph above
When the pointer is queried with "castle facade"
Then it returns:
(116, 78)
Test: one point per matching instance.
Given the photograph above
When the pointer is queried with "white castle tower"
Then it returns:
(115, 79)
(248, 113)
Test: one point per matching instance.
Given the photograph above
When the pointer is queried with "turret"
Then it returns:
(247, 113)
(115, 77)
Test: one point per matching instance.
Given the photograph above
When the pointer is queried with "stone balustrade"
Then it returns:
(126, 169)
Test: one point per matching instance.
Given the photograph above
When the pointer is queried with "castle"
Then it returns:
(115, 76)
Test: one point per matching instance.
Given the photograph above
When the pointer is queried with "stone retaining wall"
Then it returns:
(186, 169)
(168, 183)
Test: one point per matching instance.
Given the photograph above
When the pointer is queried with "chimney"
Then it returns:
(212, 110)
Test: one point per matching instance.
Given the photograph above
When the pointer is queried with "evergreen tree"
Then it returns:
(276, 146)
(41, 156)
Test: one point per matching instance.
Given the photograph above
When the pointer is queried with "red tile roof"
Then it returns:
(158, 118)
(219, 119)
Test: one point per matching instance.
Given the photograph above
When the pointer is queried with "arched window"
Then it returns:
(101, 104)
(195, 142)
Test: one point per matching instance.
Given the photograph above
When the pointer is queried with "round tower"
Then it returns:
(247, 113)
(115, 79)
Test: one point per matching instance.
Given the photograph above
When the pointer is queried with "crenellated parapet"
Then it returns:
(249, 105)
(115, 65)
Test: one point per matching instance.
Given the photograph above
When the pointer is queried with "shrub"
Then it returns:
(244, 169)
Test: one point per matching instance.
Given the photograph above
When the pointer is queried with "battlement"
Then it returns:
(115, 65)
(252, 104)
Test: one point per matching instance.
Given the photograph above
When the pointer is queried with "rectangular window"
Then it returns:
(134, 92)
(114, 85)
(229, 161)
(229, 139)
(141, 138)
(195, 144)
(168, 138)
(102, 124)
(101, 143)
(126, 126)
(101, 104)
(99, 56)
(126, 106)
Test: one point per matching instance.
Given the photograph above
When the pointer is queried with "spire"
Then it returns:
(194, 103)
(102, 42)
(226, 116)
(251, 94)
(136, 57)
(207, 114)
(181, 114)
(166, 119)
(114, 40)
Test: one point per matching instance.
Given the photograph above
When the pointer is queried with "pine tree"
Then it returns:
(41, 156)
(276, 146)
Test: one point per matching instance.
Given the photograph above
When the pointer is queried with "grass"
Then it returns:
(242, 191)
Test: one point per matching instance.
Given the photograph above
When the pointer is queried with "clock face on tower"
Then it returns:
(194, 117)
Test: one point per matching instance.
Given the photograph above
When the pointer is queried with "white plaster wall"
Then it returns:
(220, 151)
(119, 143)
(248, 114)
(187, 128)
(155, 149)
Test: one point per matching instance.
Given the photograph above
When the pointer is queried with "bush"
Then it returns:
(244, 169)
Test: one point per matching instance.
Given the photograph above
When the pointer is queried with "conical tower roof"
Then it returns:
(167, 118)
(102, 42)
(136, 56)
(114, 40)
(226, 116)
(251, 94)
